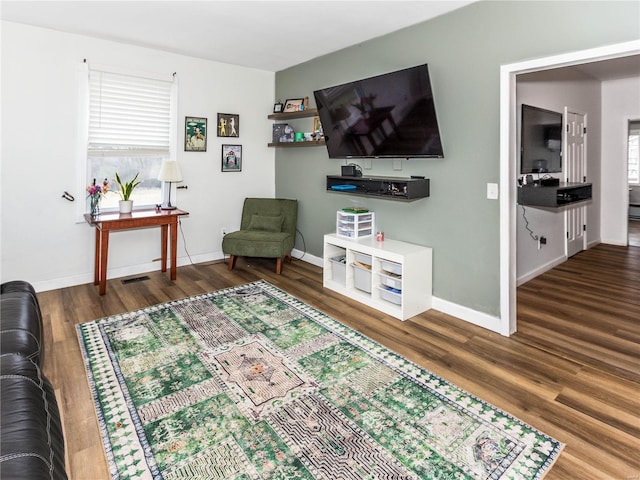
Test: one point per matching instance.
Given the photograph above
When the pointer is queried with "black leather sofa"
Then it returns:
(31, 439)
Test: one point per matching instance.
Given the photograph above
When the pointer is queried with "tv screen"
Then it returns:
(390, 115)
(540, 141)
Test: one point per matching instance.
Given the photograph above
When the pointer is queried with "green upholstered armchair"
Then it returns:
(267, 229)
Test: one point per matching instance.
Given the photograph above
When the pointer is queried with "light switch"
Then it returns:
(492, 191)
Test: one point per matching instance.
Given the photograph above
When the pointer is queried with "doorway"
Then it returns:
(508, 156)
(633, 176)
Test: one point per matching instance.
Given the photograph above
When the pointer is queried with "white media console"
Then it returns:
(392, 276)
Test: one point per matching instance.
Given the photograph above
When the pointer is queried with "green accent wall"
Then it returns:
(465, 50)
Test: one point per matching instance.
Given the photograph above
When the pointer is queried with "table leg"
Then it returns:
(96, 265)
(104, 253)
(174, 249)
(163, 246)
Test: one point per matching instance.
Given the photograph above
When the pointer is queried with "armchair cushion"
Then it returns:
(254, 243)
(266, 223)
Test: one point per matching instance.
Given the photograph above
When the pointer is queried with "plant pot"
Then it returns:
(126, 206)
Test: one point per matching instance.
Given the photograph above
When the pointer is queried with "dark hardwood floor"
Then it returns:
(572, 370)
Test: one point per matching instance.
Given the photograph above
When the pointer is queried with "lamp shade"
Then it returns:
(170, 172)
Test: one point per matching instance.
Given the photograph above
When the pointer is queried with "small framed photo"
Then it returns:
(277, 107)
(195, 134)
(231, 158)
(293, 104)
(228, 125)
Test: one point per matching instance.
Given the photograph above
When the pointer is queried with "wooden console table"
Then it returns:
(107, 222)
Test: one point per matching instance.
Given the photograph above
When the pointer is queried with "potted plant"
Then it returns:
(126, 188)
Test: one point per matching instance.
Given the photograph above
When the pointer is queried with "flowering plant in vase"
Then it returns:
(96, 193)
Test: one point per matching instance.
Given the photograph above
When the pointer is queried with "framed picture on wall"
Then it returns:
(195, 134)
(231, 158)
(293, 104)
(228, 125)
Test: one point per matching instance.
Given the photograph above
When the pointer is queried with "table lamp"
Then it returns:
(169, 172)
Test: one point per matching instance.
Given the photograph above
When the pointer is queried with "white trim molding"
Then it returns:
(508, 156)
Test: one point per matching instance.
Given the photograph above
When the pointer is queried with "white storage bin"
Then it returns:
(391, 267)
(390, 296)
(361, 278)
(339, 269)
(362, 258)
(391, 281)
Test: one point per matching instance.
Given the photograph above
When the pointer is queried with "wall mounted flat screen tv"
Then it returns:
(391, 115)
(540, 141)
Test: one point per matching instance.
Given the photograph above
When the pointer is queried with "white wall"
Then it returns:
(553, 90)
(41, 240)
(620, 103)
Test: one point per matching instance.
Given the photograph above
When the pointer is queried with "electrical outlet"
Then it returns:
(541, 241)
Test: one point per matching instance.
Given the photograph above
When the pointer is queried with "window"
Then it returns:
(633, 153)
(129, 131)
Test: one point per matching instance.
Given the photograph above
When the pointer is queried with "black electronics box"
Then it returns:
(549, 182)
(350, 171)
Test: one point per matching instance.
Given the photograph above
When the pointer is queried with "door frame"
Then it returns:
(508, 157)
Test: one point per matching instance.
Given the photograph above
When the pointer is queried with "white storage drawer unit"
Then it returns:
(355, 225)
(399, 281)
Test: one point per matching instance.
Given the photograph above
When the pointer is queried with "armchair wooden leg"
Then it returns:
(232, 262)
(279, 266)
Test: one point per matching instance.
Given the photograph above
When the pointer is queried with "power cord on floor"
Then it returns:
(304, 245)
(184, 242)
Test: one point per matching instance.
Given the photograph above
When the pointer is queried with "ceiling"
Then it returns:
(267, 35)
(612, 69)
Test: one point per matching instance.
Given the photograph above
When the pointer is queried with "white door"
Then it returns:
(575, 169)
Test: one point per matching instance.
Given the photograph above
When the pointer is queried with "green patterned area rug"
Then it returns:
(251, 383)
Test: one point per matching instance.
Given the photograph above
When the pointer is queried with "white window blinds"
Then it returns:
(128, 115)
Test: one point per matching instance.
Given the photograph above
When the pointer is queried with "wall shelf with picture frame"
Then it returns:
(283, 116)
(308, 113)
(313, 143)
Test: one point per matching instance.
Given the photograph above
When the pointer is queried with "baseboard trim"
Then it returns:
(467, 314)
(112, 273)
(307, 257)
(464, 313)
(470, 315)
(540, 270)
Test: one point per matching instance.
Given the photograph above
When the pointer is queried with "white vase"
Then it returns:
(126, 206)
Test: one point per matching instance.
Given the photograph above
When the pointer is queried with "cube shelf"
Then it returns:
(398, 283)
